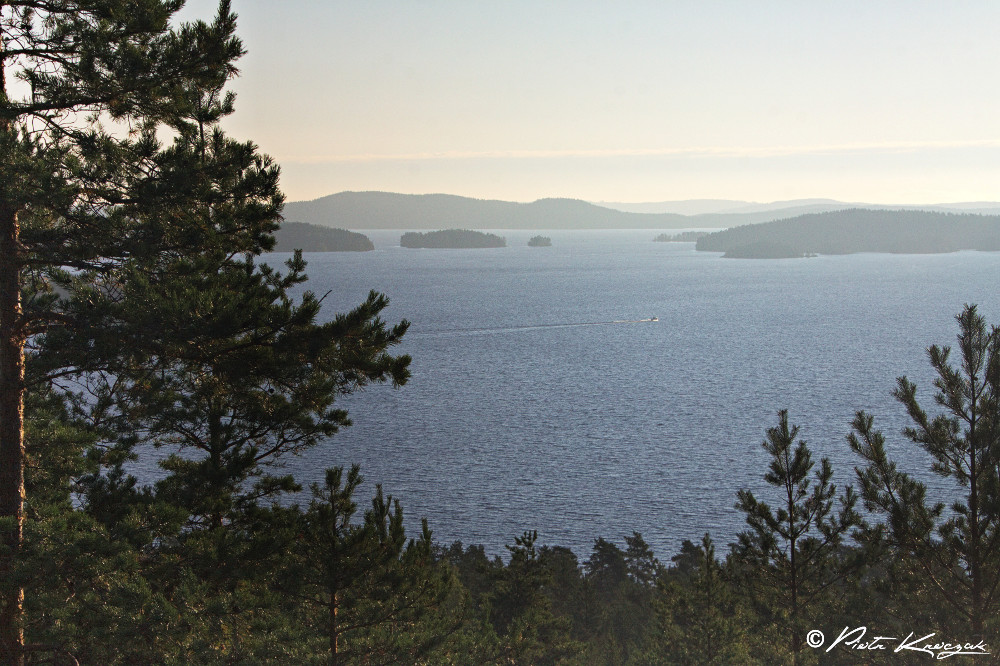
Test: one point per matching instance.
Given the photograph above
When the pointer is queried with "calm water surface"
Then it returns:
(539, 400)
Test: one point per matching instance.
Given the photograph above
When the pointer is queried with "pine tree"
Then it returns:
(952, 558)
(521, 611)
(792, 553)
(243, 377)
(700, 619)
(85, 186)
(622, 584)
(371, 595)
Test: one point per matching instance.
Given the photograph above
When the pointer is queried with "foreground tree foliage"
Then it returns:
(791, 555)
(949, 556)
(374, 597)
(700, 619)
(85, 187)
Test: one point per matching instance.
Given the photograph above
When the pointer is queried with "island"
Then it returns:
(682, 237)
(315, 238)
(452, 239)
(540, 241)
(858, 230)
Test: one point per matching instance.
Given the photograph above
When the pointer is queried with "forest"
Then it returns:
(455, 239)
(136, 323)
(858, 230)
(314, 238)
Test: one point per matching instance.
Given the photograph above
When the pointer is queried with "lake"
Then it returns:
(542, 397)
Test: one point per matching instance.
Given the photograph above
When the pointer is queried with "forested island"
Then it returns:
(858, 230)
(766, 250)
(682, 237)
(314, 238)
(452, 239)
(540, 241)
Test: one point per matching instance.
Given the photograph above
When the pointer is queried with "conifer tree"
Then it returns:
(700, 620)
(86, 187)
(643, 567)
(243, 377)
(622, 583)
(372, 596)
(791, 553)
(521, 611)
(951, 556)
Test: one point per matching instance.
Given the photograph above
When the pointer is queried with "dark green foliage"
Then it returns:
(372, 596)
(244, 377)
(699, 617)
(848, 231)
(540, 241)
(86, 189)
(163, 331)
(451, 238)
(765, 249)
(520, 610)
(791, 554)
(622, 589)
(87, 595)
(948, 557)
(688, 559)
(315, 238)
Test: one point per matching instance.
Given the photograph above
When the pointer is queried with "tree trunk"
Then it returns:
(334, 631)
(11, 411)
(11, 436)
(975, 537)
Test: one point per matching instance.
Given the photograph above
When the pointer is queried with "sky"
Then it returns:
(873, 101)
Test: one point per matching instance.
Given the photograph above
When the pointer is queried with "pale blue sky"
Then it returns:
(631, 101)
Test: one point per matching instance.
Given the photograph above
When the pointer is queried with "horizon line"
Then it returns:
(758, 152)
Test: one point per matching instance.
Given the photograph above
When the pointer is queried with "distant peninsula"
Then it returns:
(314, 238)
(858, 230)
(452, 238)
(540, 241)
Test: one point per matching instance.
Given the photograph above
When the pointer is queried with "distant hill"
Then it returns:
(385, 210)
(452, 239)
(684, 207)
(720, 210)
(753, 215)
(859, 230)
(314, 238)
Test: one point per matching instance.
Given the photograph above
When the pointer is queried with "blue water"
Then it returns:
(539, 400)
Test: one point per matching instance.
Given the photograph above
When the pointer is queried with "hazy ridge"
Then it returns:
(859, 230)
(387, 210)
